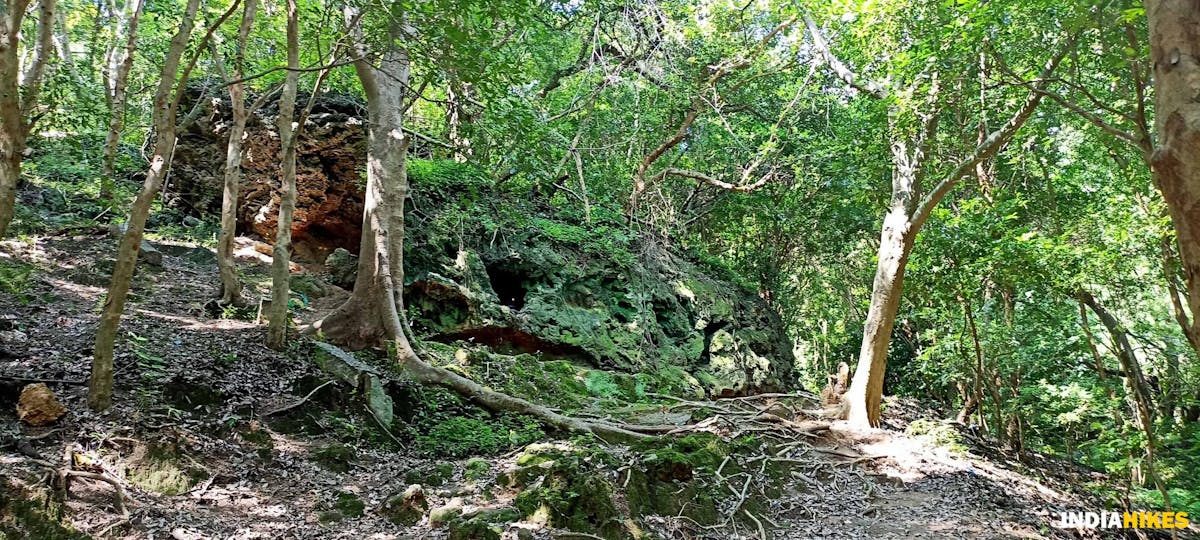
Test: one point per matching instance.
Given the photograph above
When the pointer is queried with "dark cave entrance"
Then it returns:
(509, 285)
(709, 330)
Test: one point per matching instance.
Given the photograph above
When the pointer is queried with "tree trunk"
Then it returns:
(164, 113)
(231, 285)
(281, 253)
(1139, 391)
(866, 390)
(116, 120)
(1175, 52)
(18, 95)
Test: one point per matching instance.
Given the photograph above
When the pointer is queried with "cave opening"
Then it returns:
(709, 330)
(509, 285)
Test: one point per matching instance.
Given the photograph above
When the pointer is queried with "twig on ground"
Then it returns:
(120, 491)
(302, 400)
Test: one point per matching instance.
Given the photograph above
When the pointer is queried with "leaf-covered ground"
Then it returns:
(215, 436)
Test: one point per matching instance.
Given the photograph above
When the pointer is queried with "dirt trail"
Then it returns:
(243, 479)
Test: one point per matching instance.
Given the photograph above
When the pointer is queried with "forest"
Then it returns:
(599, 269)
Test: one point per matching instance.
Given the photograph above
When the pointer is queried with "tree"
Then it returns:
(167, 96)
(231, 285)
(372, 314)
(1173, 155)
(281, 252)
(913, 198)
(116, 91)
(19, 94)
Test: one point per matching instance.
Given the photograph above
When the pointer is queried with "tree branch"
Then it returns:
(996, 139)
(843, 72)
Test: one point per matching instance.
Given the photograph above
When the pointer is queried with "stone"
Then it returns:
(342, 267)
(149, 254)
(350, 370)
(440, 516)
(39, 406)
(406, 508)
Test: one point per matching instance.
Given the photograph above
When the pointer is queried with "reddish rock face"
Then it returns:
(329, 176)
(38, 405)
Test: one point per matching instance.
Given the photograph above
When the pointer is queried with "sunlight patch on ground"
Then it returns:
(191, 323)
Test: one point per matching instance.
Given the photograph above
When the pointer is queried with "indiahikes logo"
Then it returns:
(1125, 520)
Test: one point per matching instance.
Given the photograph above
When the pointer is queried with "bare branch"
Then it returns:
(740, 188)
(843, 72)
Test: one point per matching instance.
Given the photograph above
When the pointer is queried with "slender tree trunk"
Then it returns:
(1139, 391)
(978, 348)
(117, 93)
(164, 113)
(19, 95)
(1175, 52)
(231, 285)
(281, 253)
(866, 390)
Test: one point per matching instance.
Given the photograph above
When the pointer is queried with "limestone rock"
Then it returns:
(150, 254)
(343, 268)
(38, 405)
(442, 515)
(406, 508)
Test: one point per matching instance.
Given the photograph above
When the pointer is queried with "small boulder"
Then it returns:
(38, 405)
(343, 268)
(406, 508)
(150, 254)
(440, 516)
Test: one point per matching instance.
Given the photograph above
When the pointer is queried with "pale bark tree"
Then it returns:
(117, 94)
(1174, 154)
(281, 252)
(231, 285)
(168, 94)
(19, 94)
(912, 201)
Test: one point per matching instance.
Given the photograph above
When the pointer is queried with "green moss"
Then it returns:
(484, 525)
(431, 475)
(349, 504)
(937, 434)
(565, 485)
(159, 471)
(16, 277)
(33, 515)
(336, 457)
(476, 468)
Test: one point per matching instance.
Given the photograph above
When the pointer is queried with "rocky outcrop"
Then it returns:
(508, 267)
(329, 169)
(39, 406)
(512, 275)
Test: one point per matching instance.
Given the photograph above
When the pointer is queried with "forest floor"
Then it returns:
(190, 441)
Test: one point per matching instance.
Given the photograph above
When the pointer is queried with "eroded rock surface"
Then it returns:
(39, 406)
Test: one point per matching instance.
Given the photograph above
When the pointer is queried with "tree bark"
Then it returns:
(866, 390)
(117, 97)
(165, 107)
(19, 95)
(1175, 162)
(231, 285)
(1136, 383)
(281, 252)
